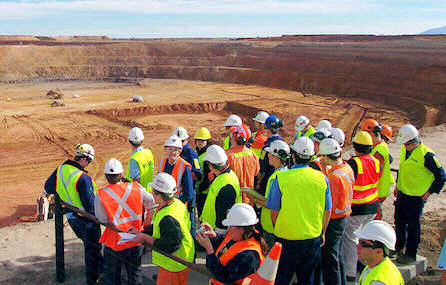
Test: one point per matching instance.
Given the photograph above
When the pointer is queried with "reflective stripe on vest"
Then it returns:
(244, 153)
(123, 204)
(209, 212)
(67, 177)
(386, 273)
(365, 189)
(414, 179)
(177, 171)
(351, 181)
(225, 254)
(144, 159)
(265, 215)
(302, 205)
(178, 211)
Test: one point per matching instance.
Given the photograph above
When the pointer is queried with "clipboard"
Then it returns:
(253, 193)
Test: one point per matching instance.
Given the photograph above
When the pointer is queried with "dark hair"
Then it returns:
(378, 244)
(297, 159)
(135, 144)
(250, 231)
(366, 149)
(164, 196)
(219, 167)
(77, 158)
(334, 156)
(113, 178)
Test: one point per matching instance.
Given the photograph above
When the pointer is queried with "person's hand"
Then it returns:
(322, 240)
(395, 192)
(134, 231)
(205, 242)
(208, 230)
(425, 196)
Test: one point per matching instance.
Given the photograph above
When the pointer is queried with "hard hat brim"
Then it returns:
(228, 222)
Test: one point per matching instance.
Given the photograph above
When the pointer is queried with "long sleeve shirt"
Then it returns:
(224, 201)
(170, 235)
(191, 156)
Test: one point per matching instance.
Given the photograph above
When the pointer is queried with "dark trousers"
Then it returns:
(201, 198)
(130, 257)
(408, 210)
(300, 257)
(89, 233)
(332, 259)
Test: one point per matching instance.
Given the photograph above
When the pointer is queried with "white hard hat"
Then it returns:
(323, 124)
(301, 123)
(321, 134)
(279, 148)
(215, 154)
(233, 120)
(378, 231)
(338, 135)
(303, 146)
(241, 215)
(136, 135)
(181, 133)
(164, 183)
(85, 150)
(329, 146)
(113, 166)
(261, 117)
(407, 133)
(173, 141)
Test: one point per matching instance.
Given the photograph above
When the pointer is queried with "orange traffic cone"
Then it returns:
(266, 274)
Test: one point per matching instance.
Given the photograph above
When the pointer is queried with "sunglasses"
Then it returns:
(364, 244)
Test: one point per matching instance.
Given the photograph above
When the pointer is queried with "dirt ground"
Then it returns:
(35, 138)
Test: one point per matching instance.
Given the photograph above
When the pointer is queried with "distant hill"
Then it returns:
(435, 31)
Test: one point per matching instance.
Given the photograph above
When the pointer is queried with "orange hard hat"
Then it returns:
(241, 133)
(371, 125)
(387, 131)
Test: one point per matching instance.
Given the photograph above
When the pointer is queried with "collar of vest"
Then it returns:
(75, 164)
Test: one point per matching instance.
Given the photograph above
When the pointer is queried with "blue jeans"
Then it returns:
(408, 210)
(130, 257)
(300, 257)
(89, 233)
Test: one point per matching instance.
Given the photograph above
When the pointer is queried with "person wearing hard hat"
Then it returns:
(376, 239)
(303, 128)
(279, 156)
(74, 186)
(121, 204)
(338, 135)
(243, 161)
(202, 142)
(420, 174)
(232, 121)
(341, 178)
(260, 136)
(170, 232)
(140, 167)
(365, 198)
(273, 125)
(236, 256)
(323, 124)
(223, 192)
(188, 154)
(300, 204)
(387, 133)
(316, 161)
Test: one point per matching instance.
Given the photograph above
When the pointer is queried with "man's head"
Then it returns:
(362, 143)
(216, 158)
(240, 134)
(164, 188)
(278, 153)
(84, 154)
(302, 150)
(113, 171)
(232, 121)
(373, 128)
(260, 119)
(408, 136)
(318, 136)
(173, 146)
(387, 133)
(376, 238)
(302, 124)
(136, 136)
(273, 124)
(329, 150)
(202, 136)
(182, 134)
(323, 124)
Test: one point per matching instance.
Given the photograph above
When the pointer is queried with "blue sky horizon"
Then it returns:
(218, 18)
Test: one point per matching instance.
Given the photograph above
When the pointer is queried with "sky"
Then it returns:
(218, 18)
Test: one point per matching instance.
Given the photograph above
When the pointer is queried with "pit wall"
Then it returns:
(406, 78)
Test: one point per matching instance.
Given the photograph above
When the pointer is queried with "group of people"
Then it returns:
(253, 190)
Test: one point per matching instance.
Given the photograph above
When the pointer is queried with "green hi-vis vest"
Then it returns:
(385, 179)
(144, 158)
(307, 134)
(385, 272)
(303, 204)
(209, 213)
(178, 211)
(227, 143)
(66, 181)
(413, 178)
(201, 161)
(265, 215)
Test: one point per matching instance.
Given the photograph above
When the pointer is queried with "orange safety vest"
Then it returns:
(177, 171)
(260, 139)
(365, 189)
(123, 204)
(225, 254)
(318, 162)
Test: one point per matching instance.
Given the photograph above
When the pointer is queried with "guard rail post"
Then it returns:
(60, 255)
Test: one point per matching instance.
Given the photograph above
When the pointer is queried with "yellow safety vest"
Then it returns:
(209, 214)
(66, 182)
(413, 178)
(385, 179)
(201, 161)
(179, 212)
(303, 204)
(307, 134)
(227, 143)
(144, 158)
(385, 272)
(265, 215)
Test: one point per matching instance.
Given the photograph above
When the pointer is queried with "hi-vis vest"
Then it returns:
(385, 179)
(177, 171)
(259, 142)
(123, 204)
(227, 143)
(345, 173)
(307, 134)
(209, 213)
(178, 211)
(385, 272)
(201, 161)
(225, 254)
(365, 189)
(66, 185)
(144, 158)
(265, 215)
(303, 204)
(414, 179)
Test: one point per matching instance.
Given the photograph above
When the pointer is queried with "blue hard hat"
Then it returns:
(272, 122)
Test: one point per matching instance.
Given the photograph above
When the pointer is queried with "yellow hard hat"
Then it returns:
(363, 138)
(202, 134)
